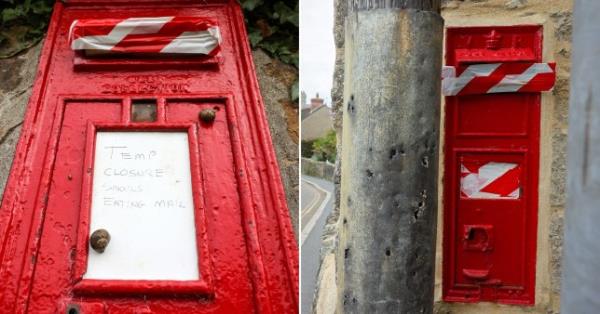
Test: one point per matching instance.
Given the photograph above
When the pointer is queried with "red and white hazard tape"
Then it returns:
(498, 78)
(178, 35)
(496, 180)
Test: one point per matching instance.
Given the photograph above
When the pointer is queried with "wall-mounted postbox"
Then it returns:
(145, 180)
(492, 130)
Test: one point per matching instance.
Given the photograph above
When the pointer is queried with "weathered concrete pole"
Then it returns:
(581, 250)
(388, 205)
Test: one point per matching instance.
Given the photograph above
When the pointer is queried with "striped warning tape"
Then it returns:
(498, 78)
(176, 35)
(497, 180)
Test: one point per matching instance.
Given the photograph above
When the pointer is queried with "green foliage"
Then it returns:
(321, 149)
(324, 147)
(273, 26)
(306, 149)
(22, 24)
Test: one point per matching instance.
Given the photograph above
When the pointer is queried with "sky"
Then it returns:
(317, 50)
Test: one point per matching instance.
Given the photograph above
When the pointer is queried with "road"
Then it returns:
(317, 203)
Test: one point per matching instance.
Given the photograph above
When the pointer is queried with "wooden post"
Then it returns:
(388, 205)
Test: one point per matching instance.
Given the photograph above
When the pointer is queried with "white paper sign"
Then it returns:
(142, 195)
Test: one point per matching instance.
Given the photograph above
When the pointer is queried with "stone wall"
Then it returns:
(317, 169)
(275, 78)
(16, 80)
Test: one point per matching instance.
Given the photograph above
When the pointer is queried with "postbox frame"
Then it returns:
(91, 287)
(455, 145)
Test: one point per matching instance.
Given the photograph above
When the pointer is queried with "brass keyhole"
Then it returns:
(208, 115)
(99, 240)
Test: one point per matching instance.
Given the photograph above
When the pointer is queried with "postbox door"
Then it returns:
(491, 173)
(164, 188)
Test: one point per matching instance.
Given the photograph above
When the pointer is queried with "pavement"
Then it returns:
(316, 201)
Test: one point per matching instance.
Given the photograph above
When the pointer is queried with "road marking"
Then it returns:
(313, 203)
(309, 211)
(311, 223)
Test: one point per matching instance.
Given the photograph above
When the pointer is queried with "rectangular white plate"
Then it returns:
(142, 195)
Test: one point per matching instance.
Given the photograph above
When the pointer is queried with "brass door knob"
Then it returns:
(99, 240)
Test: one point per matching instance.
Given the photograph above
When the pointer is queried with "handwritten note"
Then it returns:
(142, 195)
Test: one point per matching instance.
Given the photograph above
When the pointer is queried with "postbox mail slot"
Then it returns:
(124, 61)
(160, 42)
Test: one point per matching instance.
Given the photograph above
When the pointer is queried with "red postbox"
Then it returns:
(492, 130)
(145, 180)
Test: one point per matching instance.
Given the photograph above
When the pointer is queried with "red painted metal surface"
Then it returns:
(247, 252)
(489, 231)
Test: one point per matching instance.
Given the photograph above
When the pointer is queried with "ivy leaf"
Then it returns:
(283, 12)
(273, 26)
(26, 6)
(294, 19)
(290, 59)
(23, 24)
(295, 59)
(250, 5)
(12, 14)
(41, 8)
(255, 36)
(269, 46)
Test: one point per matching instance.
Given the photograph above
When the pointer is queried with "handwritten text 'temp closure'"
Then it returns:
(142, 183)
(136, 176)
